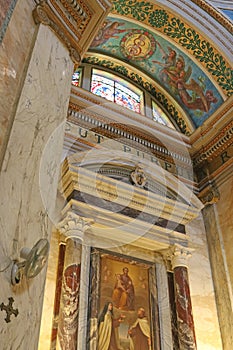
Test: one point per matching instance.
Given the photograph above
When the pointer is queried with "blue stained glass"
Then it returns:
(127, 91)
(126, 101)
(76, 77)
(114, 89)
(160, 117)
(103, 87)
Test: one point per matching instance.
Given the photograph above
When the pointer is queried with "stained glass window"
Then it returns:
(76, 77)
(160, 117)
(117, 90)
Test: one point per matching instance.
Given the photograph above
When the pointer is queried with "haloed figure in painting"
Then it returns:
(108, 329)
(123, 293)
(139, 333)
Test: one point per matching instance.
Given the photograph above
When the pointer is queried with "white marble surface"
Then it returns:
(164, 307)
(202, 290)
(20, 32)
(25, 217)
(224, 218)
(219, 225)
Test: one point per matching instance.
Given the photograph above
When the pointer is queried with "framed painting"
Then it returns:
(123, 311)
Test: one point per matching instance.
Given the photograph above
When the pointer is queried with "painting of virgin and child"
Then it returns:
(124, 317)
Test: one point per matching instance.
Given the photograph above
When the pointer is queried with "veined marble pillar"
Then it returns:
(72, 229)
(56, 307)
(186, 333)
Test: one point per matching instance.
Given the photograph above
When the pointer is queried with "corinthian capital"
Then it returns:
(179, 255)
(74, 226)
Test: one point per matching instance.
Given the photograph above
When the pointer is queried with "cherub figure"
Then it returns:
(108, 30)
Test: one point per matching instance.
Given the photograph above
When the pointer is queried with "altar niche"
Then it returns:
(123, 307)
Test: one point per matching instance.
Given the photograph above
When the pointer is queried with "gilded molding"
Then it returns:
(222, 141)
(74, 22)
(210, 126)
(209, 195)
(43, 14)
(124, 133)
(213, 12)
(205, 52)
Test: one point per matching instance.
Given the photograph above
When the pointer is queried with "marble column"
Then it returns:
(58, 290)
(186, 332)
(36, 138)
(73, 229)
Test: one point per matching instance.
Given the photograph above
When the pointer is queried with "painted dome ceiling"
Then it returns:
(171, 53)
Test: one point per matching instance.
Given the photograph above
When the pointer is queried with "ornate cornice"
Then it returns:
(213, 12)
(95, 189)
(43, 14)
(210, 124)
(126, 134)
(215, 147)
(74, 22)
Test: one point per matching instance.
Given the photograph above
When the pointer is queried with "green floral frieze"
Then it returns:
(203, 51)
(184, 35)
(139, 10)
(159, 97)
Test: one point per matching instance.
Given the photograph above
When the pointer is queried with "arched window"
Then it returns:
(77, 77)
(160, 117)
(117, 90)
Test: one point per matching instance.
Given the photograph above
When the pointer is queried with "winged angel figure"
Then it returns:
(191, 93)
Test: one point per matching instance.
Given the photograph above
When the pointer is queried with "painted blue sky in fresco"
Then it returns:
(139, 47)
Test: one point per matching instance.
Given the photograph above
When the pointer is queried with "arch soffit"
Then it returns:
(202, 48)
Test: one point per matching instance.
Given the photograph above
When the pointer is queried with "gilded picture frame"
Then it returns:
(127, 286)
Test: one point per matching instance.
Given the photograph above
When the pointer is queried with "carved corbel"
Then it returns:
(210, 195)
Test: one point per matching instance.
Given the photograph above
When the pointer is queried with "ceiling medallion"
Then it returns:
(137, 45)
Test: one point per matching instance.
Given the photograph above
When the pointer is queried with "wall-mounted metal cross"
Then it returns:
(9, 310)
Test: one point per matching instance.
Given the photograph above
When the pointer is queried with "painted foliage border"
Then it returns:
(181, 33)
(94, 295)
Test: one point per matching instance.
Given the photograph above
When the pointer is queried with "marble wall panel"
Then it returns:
(15, 51)
(49, 294)
(219, 227)
(30, 176)
(164, 308)
(202, 290)
(224, 213)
